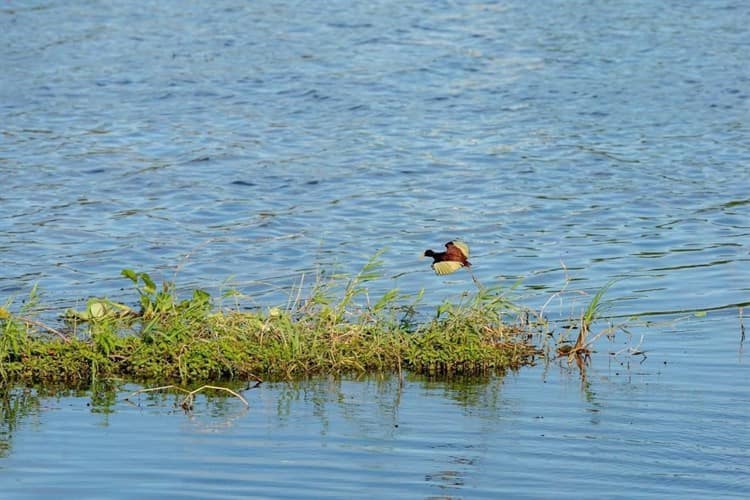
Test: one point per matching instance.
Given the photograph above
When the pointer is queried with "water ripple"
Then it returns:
(246, 144)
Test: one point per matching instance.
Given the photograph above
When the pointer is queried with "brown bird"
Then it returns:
(454, 258)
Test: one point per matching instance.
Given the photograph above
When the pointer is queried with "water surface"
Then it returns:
(245, 144)
(672, 424)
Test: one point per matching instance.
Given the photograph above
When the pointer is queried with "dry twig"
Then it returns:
(187, 402)
(41, 325)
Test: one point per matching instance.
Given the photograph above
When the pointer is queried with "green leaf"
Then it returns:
(201, 296)
(445, 307)
(274, 312)
(97, 309)
(386, 299)
(72, 314)
(149, 285)
(130, 274)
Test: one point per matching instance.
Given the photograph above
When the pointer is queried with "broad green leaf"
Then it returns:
(97, 309)
(130, 274)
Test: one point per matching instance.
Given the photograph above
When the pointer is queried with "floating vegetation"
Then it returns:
(164, 338)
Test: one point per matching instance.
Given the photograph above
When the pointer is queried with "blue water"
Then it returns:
(247, 144)
(671, 426)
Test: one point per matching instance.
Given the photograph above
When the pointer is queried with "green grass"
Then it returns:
(594, 310)
(338, 329)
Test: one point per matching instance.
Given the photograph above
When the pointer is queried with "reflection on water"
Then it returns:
(17, 406)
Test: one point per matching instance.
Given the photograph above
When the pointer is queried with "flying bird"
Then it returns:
(454, 258)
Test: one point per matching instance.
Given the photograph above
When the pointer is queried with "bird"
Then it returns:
(454, 258)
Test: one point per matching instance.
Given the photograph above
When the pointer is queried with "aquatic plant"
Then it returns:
(337, 329)
(593, 311)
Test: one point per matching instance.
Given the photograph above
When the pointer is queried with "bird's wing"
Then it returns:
(446, 267)
(463, 247)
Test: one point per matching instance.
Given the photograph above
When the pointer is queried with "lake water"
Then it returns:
(247, 144)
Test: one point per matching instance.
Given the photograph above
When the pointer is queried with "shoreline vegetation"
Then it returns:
(165, 339)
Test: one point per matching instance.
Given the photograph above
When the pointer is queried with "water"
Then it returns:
(673, 424)
(242, 145)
